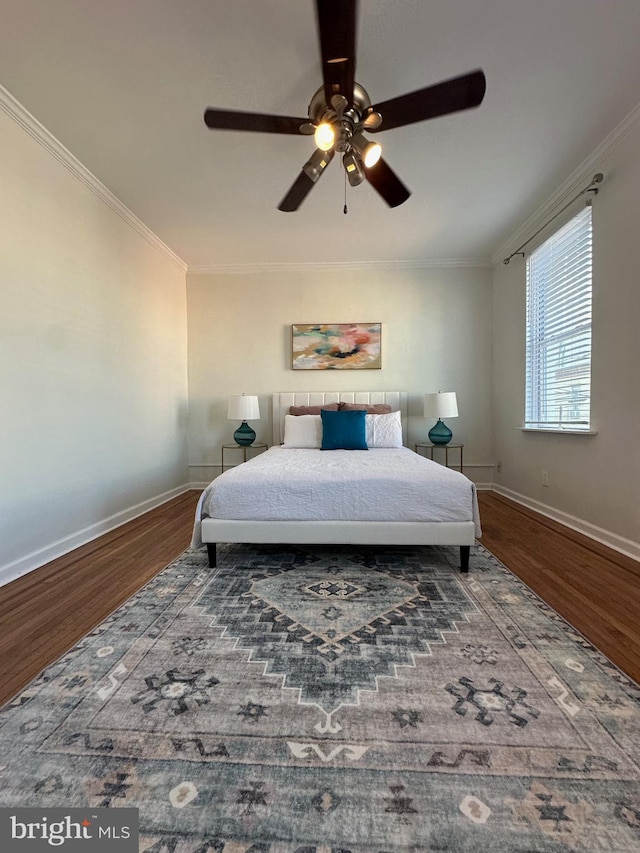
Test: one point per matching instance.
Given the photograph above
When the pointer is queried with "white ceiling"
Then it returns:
(123, 85)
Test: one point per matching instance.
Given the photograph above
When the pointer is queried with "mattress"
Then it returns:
(379, 484)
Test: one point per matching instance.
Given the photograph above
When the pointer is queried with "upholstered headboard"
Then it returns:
(282, 400)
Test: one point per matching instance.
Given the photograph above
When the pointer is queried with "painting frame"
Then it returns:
(336, 346)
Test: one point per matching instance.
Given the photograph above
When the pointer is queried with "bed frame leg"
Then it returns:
(465, 551)
(211, 551)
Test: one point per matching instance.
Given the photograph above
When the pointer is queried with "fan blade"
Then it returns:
(450, 96)
(337, 28)
(300, 189)
(310, 174)
(385, 181)
(259, 122)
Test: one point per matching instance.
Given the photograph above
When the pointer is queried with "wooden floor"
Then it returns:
(47, 611)
(595, 588)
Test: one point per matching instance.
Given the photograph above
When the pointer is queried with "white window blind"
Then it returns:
(558, 345)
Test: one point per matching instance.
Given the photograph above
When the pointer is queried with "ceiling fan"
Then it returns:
(341, 110)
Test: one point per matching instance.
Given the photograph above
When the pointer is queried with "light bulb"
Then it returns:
(372, 154)
(369, 151)
(324, 136)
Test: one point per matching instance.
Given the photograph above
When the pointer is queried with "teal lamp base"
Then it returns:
(244, 435)
(440, 433)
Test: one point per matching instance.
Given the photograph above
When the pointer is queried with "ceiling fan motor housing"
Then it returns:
(350, 118)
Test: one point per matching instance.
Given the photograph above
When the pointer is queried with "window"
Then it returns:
(558, 360)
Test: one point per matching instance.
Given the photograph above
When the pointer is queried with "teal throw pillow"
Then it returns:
(344, 430)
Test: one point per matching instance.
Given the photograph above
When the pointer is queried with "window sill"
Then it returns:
(559, 431)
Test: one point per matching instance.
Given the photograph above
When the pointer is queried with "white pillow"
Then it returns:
(384, 430)
(302, 431)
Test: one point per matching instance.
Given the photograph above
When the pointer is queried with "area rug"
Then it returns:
(335, 700)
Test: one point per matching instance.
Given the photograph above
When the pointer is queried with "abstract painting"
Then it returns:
(336, 346)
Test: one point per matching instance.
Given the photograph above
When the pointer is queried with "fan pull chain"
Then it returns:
(345, 209)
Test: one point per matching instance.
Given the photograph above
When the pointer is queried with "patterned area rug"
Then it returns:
(325, 700)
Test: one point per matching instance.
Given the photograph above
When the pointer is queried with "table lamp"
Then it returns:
(440, 404)
(243, 408)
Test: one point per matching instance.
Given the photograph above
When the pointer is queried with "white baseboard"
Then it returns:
(36, 559)
(618, 543)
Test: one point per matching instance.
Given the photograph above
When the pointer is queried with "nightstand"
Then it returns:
(241, 449)
(429, 448)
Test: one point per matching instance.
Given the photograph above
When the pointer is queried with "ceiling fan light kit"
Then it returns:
(317, 163)
(341, 109)
(369, 151)
(353, 168)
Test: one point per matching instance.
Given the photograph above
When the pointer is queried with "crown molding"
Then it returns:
(338, 266)
(22, 117)
(572, 185)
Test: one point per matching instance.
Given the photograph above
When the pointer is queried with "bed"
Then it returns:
(304, 495)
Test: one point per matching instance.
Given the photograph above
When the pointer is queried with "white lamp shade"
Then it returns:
(243, 407)
(441, 404)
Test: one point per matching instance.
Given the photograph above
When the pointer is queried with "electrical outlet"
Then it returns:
(545, 478)
(499, 467)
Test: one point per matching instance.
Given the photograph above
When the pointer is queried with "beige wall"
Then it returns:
(436, 334)
(93, 374)
(594, 481)
(93, 360)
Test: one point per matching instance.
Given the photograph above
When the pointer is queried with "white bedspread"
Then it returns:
(380, 484)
